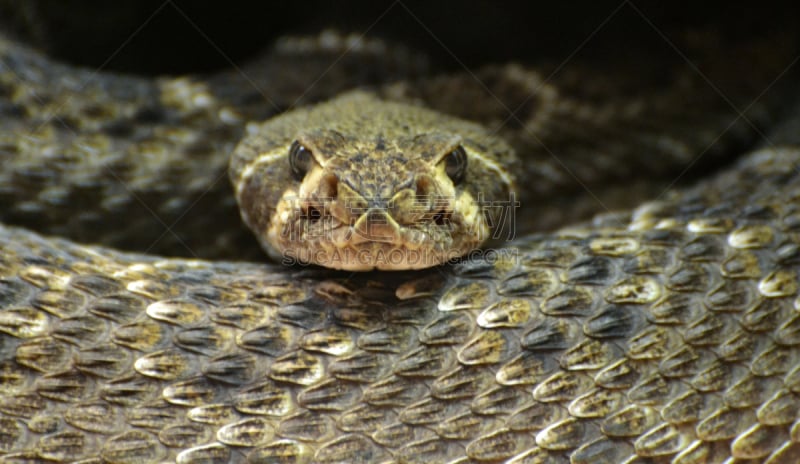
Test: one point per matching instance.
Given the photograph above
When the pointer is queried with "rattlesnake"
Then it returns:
(663, 334)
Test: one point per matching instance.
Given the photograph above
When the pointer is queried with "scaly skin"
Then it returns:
(668, 334)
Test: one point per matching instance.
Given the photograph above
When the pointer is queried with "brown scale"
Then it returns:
(673, 343)
(666, 334)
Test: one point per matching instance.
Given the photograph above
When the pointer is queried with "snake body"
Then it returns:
(668, 333)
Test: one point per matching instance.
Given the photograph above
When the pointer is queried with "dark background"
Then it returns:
(179, 36)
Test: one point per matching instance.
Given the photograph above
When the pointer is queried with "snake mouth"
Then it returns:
(376, 239)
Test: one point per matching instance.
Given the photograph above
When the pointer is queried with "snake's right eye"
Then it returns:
(300, 160)
(456, 164)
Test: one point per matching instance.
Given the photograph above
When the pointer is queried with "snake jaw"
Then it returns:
(374, 239)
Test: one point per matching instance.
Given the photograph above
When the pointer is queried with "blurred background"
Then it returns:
(180, 36)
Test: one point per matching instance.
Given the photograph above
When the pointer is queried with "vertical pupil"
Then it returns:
(455, 164)
(453, 161)
(299, 160)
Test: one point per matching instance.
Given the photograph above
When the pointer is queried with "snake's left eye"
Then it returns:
(300, 160)
(455, 164)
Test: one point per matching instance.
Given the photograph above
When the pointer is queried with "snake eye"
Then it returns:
(455, 164)
(300, 160)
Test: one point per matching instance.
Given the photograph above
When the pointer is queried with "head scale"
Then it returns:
(360, 183)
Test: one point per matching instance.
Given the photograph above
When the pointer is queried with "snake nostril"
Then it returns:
(313, 214)
(441, 218)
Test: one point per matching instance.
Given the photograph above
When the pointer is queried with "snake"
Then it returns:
(141, 322)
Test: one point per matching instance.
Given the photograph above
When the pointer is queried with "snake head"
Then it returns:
(359, 183)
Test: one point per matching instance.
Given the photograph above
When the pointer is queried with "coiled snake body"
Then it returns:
(665, 334)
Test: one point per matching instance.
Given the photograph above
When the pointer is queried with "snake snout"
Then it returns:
(376, 225)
